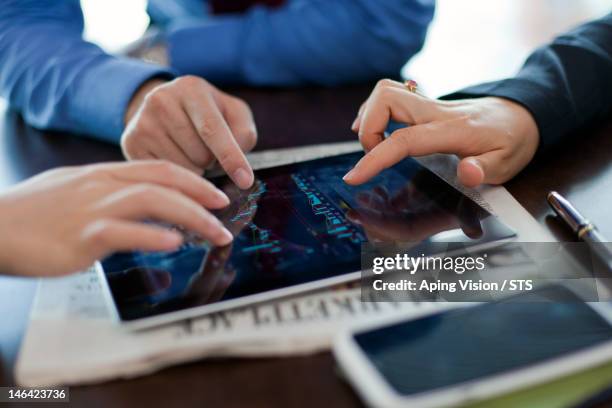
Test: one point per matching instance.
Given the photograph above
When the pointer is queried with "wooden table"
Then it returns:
(285, 118)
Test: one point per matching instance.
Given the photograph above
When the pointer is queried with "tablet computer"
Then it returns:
(298, 228)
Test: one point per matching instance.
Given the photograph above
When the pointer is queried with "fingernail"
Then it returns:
(349, 176)
(226, 237)
(243, 178)
(476, 163)
(222, 198)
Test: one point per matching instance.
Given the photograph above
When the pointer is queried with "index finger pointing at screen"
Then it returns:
(412, 141)
(216, 134)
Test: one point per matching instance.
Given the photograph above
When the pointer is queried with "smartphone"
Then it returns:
(471, 353)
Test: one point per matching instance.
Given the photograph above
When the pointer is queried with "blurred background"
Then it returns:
(469, 41)
(472, 41)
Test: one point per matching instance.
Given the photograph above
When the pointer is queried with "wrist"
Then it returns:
(156, 54)
(139, 96)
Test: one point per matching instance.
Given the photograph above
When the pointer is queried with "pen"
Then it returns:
(582, 227)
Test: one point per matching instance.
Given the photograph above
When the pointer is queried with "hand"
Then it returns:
(63, 220)
(494, 137)
(190, 122)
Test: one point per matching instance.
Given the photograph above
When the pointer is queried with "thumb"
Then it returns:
(486, 168)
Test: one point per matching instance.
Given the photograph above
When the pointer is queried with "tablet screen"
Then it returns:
(298, 224)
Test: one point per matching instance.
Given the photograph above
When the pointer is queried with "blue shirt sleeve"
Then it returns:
(58, 80)
(324, 42)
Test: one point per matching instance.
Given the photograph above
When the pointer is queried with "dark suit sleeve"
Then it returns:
(566, 85)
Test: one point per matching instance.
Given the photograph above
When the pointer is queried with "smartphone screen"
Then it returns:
(453, 347)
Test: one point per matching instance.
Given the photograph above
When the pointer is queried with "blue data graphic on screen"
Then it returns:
(297, 224)
(290, 229)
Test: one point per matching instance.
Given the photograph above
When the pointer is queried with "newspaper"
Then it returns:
(72, 340)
